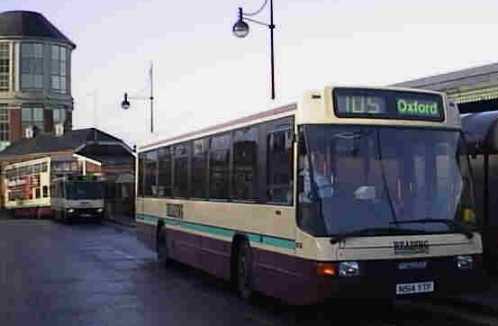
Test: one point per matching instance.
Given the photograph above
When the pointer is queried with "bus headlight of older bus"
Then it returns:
(70, 210)
(465, 262)
(342, 269)
(100, 210)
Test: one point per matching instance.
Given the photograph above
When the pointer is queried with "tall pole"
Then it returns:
(241, 29)
(151, 100)
(484, 223)
(95, 109)
(272, 27)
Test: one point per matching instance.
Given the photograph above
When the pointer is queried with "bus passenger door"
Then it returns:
(275, 217)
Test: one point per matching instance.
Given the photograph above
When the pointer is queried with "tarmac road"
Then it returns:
(99, 274)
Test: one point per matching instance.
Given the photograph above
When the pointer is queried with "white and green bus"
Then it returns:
(352, 192)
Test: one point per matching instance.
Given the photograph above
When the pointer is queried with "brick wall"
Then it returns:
(16, 131)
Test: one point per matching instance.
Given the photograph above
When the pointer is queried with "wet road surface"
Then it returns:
(99, 274)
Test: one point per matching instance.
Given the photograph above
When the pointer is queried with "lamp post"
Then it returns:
(125, 104)
(241, 29)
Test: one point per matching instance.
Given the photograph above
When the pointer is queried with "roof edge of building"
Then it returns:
(452, 76)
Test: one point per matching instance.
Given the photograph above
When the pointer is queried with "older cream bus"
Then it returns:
(352, 192)
(26, 187)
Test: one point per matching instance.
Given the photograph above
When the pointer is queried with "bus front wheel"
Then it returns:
(244, 267)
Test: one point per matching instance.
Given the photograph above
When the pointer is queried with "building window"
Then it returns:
(31, 66)
(58, 71)
(59, 116)
(4, 122)
(4, 66)
(32, 117)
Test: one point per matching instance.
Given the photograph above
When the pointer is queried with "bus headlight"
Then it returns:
(100, 210)
(349, 269)
(70, 210)
(465, 262)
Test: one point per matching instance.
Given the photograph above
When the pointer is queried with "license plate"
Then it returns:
(411, 288)
(86, 215)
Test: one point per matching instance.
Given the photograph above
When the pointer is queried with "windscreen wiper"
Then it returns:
(373, 232)
(452, 224)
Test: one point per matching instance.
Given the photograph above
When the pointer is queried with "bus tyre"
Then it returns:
(162, 247)
(244, 267)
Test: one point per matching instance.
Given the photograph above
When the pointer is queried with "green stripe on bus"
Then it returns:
(278, 242)
(219, 231)
(255, 237)
(209, 229)
(149, 219)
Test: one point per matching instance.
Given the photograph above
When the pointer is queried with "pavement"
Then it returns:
(121, 220)
(86, 274)
(89, 238)
(485, 301)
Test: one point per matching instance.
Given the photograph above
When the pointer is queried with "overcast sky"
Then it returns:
(204, 75)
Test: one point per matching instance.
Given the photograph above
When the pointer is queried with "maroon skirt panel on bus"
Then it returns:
(209, 254)
(290, 278)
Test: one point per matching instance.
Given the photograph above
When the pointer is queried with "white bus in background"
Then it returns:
(352, 192)
(26, 184)
(78, 198)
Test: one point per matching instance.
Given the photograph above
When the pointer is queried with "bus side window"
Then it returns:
(164, 178)
(150, 173)
(279, 163)
(181, 157)
(219, 166)
(245, 149)
(45, 191)
(141, 175)
(37, 193)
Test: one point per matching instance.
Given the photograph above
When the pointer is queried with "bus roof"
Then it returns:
(29, 162)
(278, 112)
(247, 120)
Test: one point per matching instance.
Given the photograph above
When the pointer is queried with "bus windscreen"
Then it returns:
(382, 104)
(84, 190)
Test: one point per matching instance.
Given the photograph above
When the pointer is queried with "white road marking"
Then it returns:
(124, 254)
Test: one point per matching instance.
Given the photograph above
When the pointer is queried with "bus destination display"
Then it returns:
(351, 103)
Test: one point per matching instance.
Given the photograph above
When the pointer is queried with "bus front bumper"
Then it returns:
(433, 277)
(85, 212)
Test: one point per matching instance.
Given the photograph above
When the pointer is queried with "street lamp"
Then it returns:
(241, 29)
(125, 104)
